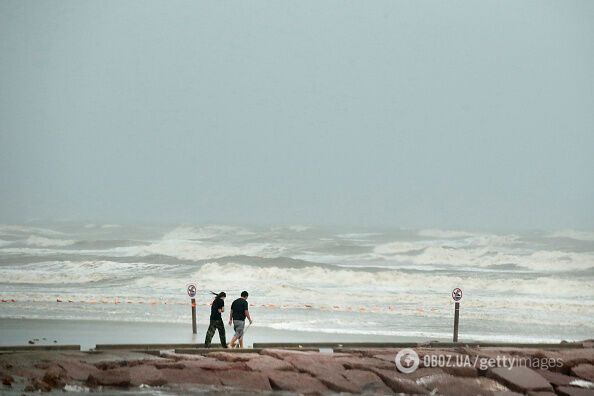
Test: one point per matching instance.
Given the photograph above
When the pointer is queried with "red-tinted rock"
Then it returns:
(574, 357)
(37, 384)
(390, 358)
(521, 379)
(541, 393)
(555, 378)
(77, 370)
(282, 353)
(573, 391)
(367, 382)
(264, 363)
(111, 364)
(146, 374)
(295, 382)
(460, 386)
(213, 364)
(316, 365)
(190, 376)
(399, 383)
(461, 371)
(112, 377)
(338, 383)
(181, 356)
(6, 378)
(55, 376)
(425, 373)
(233, 357)
(27, 372)
(246, 380)
(167, 364)
(584, 371)
(364, 363)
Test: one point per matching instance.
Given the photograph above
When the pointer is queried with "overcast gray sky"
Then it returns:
(459, 114)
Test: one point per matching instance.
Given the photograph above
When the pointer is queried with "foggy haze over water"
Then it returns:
(465, 115)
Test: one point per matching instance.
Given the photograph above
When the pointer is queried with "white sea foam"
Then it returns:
(35, 240)
(573, 234)
(65, 272)
(104, 226)
(206, 232)
(446, 234)
(13, 229)
(357, 269)
(197, 250)
(483, 255)
(397, 281)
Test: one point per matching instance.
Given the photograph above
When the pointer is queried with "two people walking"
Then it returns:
(239, 312)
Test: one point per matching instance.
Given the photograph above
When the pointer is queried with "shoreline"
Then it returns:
(89, 333)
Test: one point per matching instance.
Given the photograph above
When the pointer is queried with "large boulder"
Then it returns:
(338, 383)
(282, 353)
(521, 379)
(367, 382)
(245, 380)
(584, 371)
(572, 391)
(190, 376)
(399, 383)
(55, 376)
(364, 363)
(265, 363)
(462, 386)
(146, 374)
(213, 364)
(77, 370)
(317, 365)
(233, 357)
(557, 379)
(119, 377)
(295, 382)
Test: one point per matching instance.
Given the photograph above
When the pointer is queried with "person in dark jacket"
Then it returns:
(216, 321)
(239, 311)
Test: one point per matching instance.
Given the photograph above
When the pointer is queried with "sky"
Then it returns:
(411, 114)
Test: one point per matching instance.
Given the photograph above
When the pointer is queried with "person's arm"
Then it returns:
(247, 315)
(231, 316)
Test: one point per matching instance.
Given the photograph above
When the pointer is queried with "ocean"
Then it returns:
(524, 287)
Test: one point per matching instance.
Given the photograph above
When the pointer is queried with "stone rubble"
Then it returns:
(355, 371)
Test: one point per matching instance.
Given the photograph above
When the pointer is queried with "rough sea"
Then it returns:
(529, 286)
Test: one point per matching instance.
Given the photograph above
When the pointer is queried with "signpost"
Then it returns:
(456, 296)
(191, 289)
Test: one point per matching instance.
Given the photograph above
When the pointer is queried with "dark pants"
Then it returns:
(214, 326)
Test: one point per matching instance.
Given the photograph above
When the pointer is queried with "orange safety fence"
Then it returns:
(153, 302)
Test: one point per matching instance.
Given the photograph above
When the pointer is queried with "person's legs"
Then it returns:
(221, 327)
(239, 326)
(209, 333)
(233, 341)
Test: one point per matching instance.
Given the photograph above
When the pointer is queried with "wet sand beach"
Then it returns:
(88, 333)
